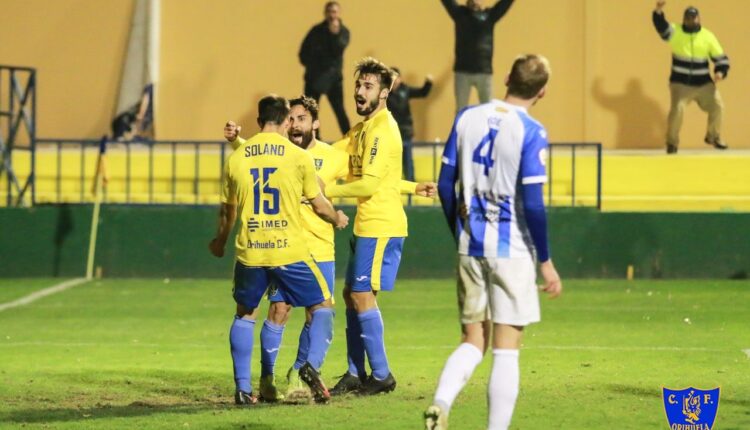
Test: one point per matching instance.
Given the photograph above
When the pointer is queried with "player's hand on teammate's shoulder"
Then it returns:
(426, 189)
(552, 282)
(231, 131)
(341, 219)
(216, 248)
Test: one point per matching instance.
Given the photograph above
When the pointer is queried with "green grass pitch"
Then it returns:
(151, 354)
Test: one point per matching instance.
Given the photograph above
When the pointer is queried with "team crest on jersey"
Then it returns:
(374, 149)
(691, 408)
(318, 163)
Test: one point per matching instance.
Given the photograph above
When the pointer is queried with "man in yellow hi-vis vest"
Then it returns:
(692, 47)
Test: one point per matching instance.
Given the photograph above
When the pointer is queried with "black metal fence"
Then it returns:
(17, 133)
(189, 172)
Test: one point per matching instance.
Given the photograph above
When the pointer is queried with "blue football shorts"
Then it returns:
(373, 263)
(327, 268)
(302, 284)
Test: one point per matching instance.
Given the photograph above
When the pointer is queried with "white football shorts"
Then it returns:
(503, 290)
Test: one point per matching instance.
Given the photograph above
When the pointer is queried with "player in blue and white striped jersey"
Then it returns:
(491, 188)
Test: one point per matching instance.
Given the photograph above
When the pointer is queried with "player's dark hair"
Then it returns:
(372, 66)
(273, 109)
(528, 76)
(331, 3)
(308, 103)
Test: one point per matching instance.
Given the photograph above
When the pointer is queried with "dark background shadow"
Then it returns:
(641, 122)
(63, 228)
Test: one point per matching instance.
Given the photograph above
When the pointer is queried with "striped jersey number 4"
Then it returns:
(483, 153)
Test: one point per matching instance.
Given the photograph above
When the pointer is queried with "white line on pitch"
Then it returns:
(138, 344)
(36, 295)
(747, 352)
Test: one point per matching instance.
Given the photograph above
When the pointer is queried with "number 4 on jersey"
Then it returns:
(482, 156)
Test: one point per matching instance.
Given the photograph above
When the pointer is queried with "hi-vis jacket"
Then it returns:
(691, 51)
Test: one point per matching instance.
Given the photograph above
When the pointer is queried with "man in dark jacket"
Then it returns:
(398, 104)
(322, 54)
(474, 28)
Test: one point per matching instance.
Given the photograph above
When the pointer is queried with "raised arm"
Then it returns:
(500, 9)
(451, 6)
(423, 91)
(660, 22)
(232, 134)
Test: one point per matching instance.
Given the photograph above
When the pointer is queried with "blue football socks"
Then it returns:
(304, 346)
(355, 347)
(270, 342)
(372, 335)
(241, 343)
(321, 335)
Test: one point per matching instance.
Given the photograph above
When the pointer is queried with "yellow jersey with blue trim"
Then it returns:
(375, 149)
(330, 164)
(266, 178)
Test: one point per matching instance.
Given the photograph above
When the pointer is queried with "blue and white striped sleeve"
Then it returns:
(534, 156)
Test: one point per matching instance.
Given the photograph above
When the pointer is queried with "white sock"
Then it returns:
(456, 374)
(502, 390)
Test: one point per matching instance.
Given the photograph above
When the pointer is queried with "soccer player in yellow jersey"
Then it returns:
(375, 149)
(330, 164)
(265, 182)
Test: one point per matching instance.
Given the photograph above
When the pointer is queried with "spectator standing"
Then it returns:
(474, 27)
(322, 54)
(398, 104)
(692, 47)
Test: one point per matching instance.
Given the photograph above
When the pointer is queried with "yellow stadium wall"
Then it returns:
(610, 69)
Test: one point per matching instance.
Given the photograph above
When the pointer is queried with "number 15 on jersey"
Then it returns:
(263, 191)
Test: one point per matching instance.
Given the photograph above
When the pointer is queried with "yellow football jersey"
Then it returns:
(331, 164)
(266, 178)
(375, 149)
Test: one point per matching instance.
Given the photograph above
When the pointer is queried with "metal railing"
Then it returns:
(122, 160)
(574, 149)
(17, 114)
(557, 177)
(189, 172)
